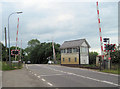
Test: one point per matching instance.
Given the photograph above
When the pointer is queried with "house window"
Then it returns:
(84, 49)
(63, 59)
(69, 50)
(64, 51)
(61, 51)
(74, 50)
(69, 59)
(75, 59)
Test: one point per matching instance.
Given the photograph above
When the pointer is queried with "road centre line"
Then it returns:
(86, 77)
(85, 70)
(52, 75)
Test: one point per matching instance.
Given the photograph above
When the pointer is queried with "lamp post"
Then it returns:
(9, 33)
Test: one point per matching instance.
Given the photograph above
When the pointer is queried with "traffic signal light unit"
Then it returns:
(109, 47)
(15, 52)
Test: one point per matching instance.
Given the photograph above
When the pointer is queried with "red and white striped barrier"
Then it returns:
(100, 34)
(17, 33)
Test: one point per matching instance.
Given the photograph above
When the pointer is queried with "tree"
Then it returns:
(42, 52)
(3, 52)
(92, 57)
(115, 56)
(32, 43)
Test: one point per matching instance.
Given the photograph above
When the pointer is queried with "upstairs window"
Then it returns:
(84, 49)
(69, 50)
(63, 51)
(74, 50)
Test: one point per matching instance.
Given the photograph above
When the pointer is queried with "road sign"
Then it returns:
(109, 47)
(15, 52)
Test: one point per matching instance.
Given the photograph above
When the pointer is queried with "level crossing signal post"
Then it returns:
(108, 48)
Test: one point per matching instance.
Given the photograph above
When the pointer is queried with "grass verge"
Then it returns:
(111, 71)
(13, 66)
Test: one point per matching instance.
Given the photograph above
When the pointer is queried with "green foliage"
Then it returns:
(112, 71)
(115, 57)
(6, 66)
(3, 52)
(92, 57)
(32, 43)
(41, 52)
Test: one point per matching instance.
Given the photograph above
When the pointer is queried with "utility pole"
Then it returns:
(6, 44)
(54, 57)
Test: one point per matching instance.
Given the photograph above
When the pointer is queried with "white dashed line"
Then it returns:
(52, 75)
(26, 66)
(38, 76)
(35, 74)
(86, 77)
(43, 80)
(49, 84)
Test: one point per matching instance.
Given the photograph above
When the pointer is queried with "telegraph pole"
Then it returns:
(6, 44)
(54, 52)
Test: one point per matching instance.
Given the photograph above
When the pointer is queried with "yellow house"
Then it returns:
(75, 52)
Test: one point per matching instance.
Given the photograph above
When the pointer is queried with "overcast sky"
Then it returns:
(60, 20)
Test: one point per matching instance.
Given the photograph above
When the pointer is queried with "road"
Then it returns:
(61, 76)
(20, 78)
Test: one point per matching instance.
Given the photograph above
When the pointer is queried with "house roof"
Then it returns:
(73, 43)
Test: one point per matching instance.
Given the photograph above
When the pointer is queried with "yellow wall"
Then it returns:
(72, 56)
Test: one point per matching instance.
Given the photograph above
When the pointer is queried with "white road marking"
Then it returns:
(97, 80)
(38, 76)
(106, 73)
(49, 84)
(35, 74)
(86, 77)
(43, 80)
(70, 73)
(91, 70)
(26, 66)
(52, 75)
(111, 83)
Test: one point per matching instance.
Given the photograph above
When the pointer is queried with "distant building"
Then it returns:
(75, 52)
